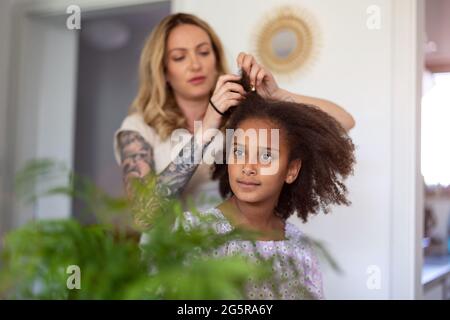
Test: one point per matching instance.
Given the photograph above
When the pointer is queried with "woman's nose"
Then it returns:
(195, 63)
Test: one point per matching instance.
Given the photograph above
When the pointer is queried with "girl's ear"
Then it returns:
(293, 170)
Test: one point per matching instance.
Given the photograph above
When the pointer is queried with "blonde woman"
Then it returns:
(183, 79)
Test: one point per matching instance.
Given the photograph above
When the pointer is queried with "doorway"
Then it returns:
(61, 85)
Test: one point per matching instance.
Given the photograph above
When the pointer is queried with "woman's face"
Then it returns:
(258, 169)
(190, 62)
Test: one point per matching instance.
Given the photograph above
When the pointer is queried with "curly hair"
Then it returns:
(314, 137)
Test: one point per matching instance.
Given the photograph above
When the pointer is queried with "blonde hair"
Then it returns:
(155, 100)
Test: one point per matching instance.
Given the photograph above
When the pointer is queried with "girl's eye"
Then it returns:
(266, 157)
(238, 152)
(204, 53)
(178, 58)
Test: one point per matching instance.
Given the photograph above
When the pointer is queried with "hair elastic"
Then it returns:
(218, 111)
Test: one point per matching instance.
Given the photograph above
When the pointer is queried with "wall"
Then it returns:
(354, 69)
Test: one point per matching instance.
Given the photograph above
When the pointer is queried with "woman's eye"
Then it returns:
(177, 58)
(204, 53)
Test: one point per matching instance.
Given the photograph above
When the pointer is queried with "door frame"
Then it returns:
(31, 23)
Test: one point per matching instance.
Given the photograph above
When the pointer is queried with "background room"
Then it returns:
(63, 93)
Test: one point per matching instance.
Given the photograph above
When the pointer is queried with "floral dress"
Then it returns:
(296, 271)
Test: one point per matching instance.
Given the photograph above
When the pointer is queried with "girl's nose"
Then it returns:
(249, 170)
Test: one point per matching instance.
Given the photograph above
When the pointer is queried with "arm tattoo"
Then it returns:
(137, 161)
(177, 174)
(136, 155)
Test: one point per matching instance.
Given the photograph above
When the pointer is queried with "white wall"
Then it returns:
(43, 99)
(354, 69)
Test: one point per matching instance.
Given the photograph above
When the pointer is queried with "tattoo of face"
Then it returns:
(137, 161)
(136, 155)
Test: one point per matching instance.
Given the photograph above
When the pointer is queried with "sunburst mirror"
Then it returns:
(287, 40)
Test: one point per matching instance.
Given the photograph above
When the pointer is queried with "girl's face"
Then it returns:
(247, 162)
(190, 62)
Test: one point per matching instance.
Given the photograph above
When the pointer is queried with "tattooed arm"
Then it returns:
(137, 161)
(136, 157)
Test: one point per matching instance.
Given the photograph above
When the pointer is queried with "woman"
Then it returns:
(183, 79)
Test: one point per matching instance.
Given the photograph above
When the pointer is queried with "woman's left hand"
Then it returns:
(260, 78)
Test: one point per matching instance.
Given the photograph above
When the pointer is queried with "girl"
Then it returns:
(182, 70)
(309, 162)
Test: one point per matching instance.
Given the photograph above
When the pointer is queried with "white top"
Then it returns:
(203, 191)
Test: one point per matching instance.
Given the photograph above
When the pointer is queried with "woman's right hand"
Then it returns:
(226, 94)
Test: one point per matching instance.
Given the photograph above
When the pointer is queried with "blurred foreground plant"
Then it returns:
(172, 264)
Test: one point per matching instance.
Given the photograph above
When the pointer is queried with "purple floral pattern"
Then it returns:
(296, 268)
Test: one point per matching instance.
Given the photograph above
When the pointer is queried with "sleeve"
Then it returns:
(200, 220)
(313, 273)
(188, 221)
(134, 122)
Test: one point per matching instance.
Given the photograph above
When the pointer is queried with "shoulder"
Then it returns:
(294, 233)
(135, 122)
(300, 240)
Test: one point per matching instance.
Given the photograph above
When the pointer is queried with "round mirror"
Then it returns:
(286, 42)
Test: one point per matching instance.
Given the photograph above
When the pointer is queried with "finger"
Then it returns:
(240, 58)
(225, 78)
(224, 104)
(233, 103)
(233, 96)
(253, 73)
(247, 63)
(260, 77)
(230, 86)
(233, 86)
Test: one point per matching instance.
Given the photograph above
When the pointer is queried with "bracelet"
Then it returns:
(218, 111)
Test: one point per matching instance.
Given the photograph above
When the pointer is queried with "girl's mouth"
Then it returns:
(248, 184)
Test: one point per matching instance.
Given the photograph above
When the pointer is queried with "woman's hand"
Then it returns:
(226, 94)
(260, 78)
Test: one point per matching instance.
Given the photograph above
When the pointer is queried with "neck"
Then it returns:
(259, 215)
(192, 109)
